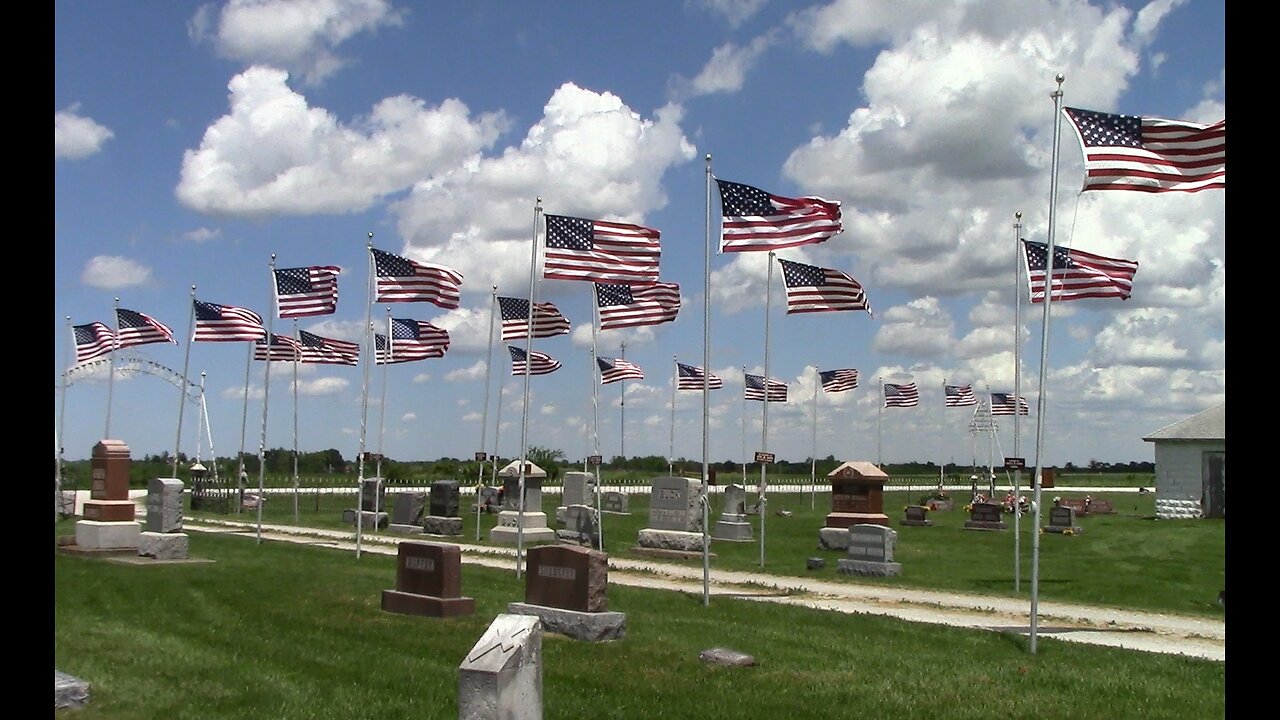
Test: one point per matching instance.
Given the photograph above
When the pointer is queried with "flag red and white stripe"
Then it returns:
(135, 328)
(1077, 274)
(600, 251)
(226, 323)
(1129, 152)
(327, 351)
(816, 289)
(689, 377)
(754, 219)
(615, 369)
(282, 349)
(93, 340)
(547, 319)
(306, 291)
(539, 363)
(399, 279)
(635, 305)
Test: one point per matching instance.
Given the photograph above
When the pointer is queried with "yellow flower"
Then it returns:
(1068, 531)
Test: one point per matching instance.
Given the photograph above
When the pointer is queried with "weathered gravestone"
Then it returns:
(580, 526)
(574, 492)
(916, 516)
(870, 551)
(443, 519)
(615, 502)
(567, 588)
(733, 525)
(501, 676)
(488, 499)
(985, 516)
(108, 522)
(514, 526)
(164, 539)
(675, 516)
(406, 511)
(1062, 519)
(373, 504)
(69, 691)
(428, 581)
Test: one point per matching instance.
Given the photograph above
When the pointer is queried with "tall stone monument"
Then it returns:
(513, 527)
(406, 511)
(576, 489)
(108, 522)
(857, 497)
(675, 516)
(567, 588)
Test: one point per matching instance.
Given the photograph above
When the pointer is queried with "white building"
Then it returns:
(1191, 466)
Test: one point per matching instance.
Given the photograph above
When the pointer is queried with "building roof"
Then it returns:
(858, 468)
(513, 470)
(1209, 424)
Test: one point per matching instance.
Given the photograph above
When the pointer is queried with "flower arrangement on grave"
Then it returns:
(1068, 531)
(968, 508)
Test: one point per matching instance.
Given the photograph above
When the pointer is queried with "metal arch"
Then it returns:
(132, 365)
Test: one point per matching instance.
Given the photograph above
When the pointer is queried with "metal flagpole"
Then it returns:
(204, 415)
(62, 424)
(1017, 395)
(297, 358)
(266, 390)
(528, 359)
(706, 389)
(764, 426)
(497, 431)
(622, 404)
(813, 461)
(744, 427)
(182, 392)
(382, 422)
(879, 424)
(596, 380)
(369, 359)
(111, 375)
(484, 422)
(242, 477)
(671, 447)
(1040, 400)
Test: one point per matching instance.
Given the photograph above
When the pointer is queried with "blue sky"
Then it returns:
(192, 142)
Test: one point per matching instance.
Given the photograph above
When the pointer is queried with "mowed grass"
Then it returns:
(282, 631)
(1126, 560)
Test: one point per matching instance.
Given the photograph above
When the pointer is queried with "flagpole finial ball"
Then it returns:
(1059, 78)
(370, 236)
(1018, 215)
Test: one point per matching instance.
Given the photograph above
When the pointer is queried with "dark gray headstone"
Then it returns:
(373, 492)
(1062, 516)
(445, 497)
(735, 500)
(407, 507)
(614, 501)
(580, 525)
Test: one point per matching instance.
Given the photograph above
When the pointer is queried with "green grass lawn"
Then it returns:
(282, 631)
(1125, 560)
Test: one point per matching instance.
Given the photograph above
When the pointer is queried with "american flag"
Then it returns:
(634, 305)
(815, 289)
(1128, 152)
(958, 396)
(581, 249)
(539, 363)
(838, 380)
(307, 291)
(282, 349)
(410, 340)
(615, 369)
(400, 279)
(901, 395)
(327, 351)
(226, 323)
(92, 340)
(1078, 274)
(759, 220)
(138, 329)
(689, 377)
(547, 320)
(753, 389)
(1003, 404)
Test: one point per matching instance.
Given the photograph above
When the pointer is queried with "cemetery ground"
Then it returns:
(281, 630)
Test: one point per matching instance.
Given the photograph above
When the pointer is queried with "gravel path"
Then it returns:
(1149, 632)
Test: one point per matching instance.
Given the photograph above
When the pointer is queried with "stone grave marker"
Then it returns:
(675, 516)
(870, 551)
(428, 581)
(580, 526)
(733, 525)
(566, 586)
(501, 676)
(575, 492)
(985, 516)
(916, 516)
(406, 511)
(613, 501)
(1062, 519)
(164, 539)
(108, 514)
(443, 519)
